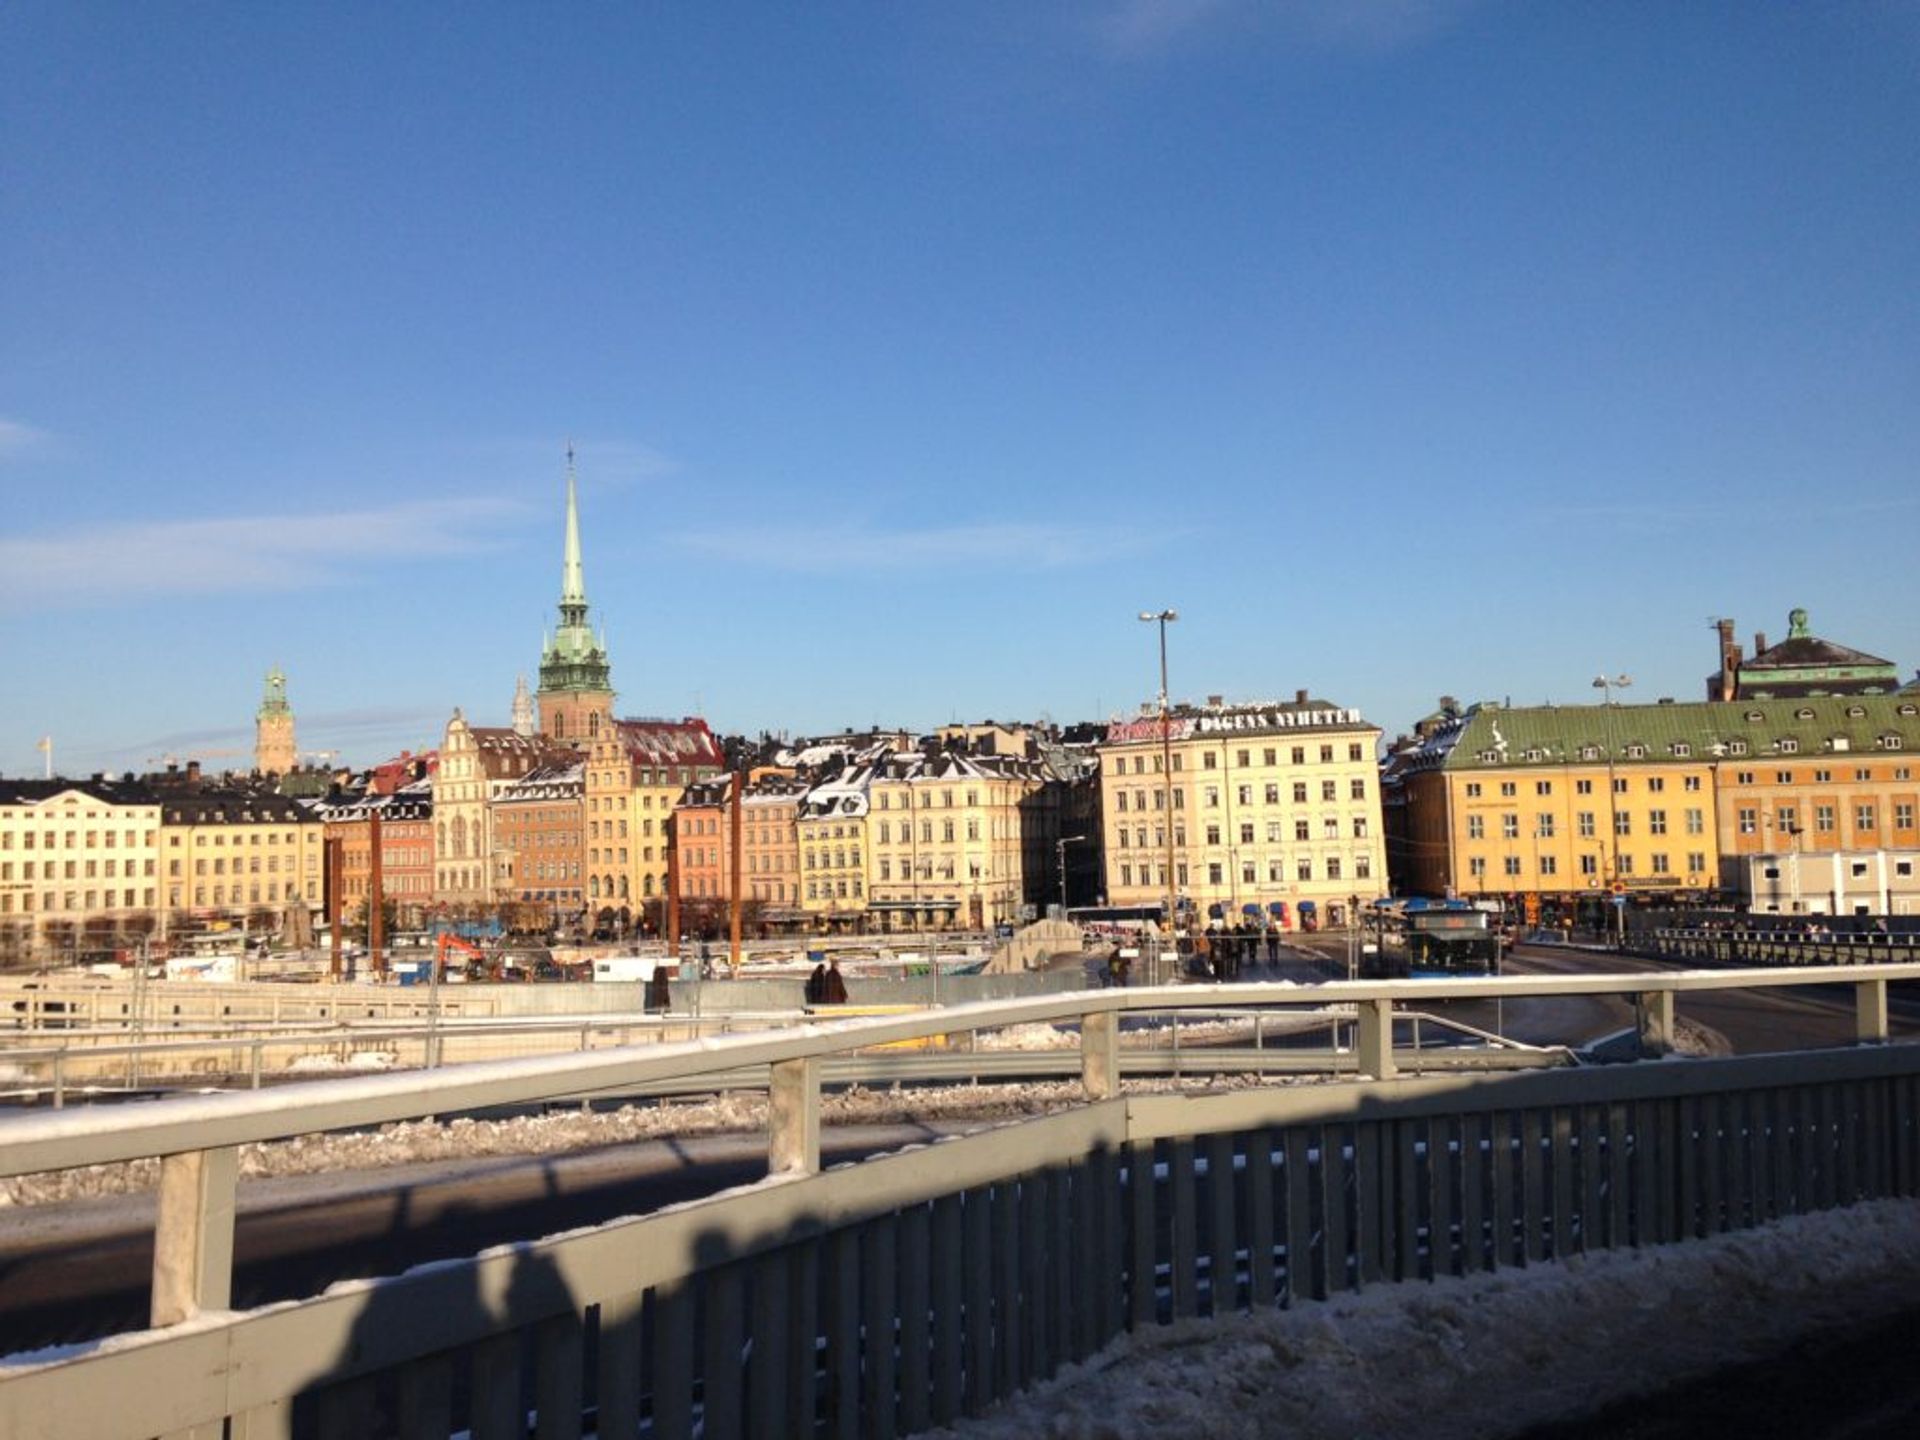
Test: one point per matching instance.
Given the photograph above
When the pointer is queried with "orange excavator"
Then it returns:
(480, 967)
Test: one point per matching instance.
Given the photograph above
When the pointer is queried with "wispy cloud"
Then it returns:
(19, 440)
(861, 550)
(1144, 29)
(1137, 28)
(247, 553)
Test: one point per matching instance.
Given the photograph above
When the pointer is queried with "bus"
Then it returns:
(1427, 938)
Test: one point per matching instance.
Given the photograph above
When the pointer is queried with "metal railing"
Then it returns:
(1747, 946)
(918, 1286)
(61, 1065)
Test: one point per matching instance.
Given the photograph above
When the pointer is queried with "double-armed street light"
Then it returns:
(1061, 844)
(1160, 618)
(1607, 685)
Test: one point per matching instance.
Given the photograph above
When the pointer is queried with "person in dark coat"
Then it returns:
(817, 984)
(658, 996)
(833, 988)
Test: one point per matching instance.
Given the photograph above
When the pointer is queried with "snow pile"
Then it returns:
(328, 1064)
(1487, 1355)
(1154, 1031)
(562, 1131)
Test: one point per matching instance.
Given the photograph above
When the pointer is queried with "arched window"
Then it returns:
(646, 885)
(460, 837)
(623, 887)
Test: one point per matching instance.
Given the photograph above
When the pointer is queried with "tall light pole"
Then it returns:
(1607, 686)
(1160, 618)
(1061, 845)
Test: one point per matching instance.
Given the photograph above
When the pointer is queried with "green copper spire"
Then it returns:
(572, 660)
(274, 700)
(573, 585)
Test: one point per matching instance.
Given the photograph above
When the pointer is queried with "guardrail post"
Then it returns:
(1373, 1027)
(1656, 1019)
(193, 1234)
(793, 1117)
(1870, 1012)
(1100, 1055)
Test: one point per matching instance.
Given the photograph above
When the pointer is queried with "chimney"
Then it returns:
(1299, 697)
(1727, 685)
(1214, 702)
(1759, 641)
(193, 769)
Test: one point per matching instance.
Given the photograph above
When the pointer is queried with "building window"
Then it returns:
(1549, 865)
(1301, 830)
(1749, 820)
(1509, 827)
(1863, 817)
(1657, 823)
(1357, 790)
(1214, 874)
(1512, 865)
(1583, 787)
(1589, 864)
(1477, 866)
(1659, 862)
(1303, 868)
(1473, 789)
(1622, 822)
(1363, 867)
(1696, 822)
(1476, 828)
(1583, 824)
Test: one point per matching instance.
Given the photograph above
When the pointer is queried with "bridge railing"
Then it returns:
(925, 1284)
(1752, 946)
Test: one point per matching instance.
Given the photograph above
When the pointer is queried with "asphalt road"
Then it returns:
(80, 1270)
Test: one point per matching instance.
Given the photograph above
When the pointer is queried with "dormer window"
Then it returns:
(1789, 746)
(1839, 742)
(1890, 742)
(1756, 717)
(1589, 752)
(1855, 712)
(1636, 752)
(1681, 749)
(1736, 747)
(1909, 710)
(1803, 713)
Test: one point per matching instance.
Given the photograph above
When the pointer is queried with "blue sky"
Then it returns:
(910, 350)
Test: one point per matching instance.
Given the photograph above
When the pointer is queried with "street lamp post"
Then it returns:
(1061, 846)
(1607, 686)
(1160, 618)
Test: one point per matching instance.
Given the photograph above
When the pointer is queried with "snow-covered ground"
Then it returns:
(1489, 1355)
(560, 1132)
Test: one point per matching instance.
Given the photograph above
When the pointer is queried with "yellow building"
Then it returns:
(637, 770)
(1273, 810)
(959, 839)
(79, 861)
(1656, 801)
(831, 828)
(237, 857)
(477, 764)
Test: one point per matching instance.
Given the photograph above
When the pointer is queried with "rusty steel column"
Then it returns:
(673, 886)
(376, 920)
(334, 854)
(737, 886)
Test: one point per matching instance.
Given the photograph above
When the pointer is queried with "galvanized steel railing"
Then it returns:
(911, 1288)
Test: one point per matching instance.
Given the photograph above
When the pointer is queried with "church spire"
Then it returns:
(573, 584)
(576, 685)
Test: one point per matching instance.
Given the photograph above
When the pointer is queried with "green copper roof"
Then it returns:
(572, 659)
(1810, 728)
(273, 700)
